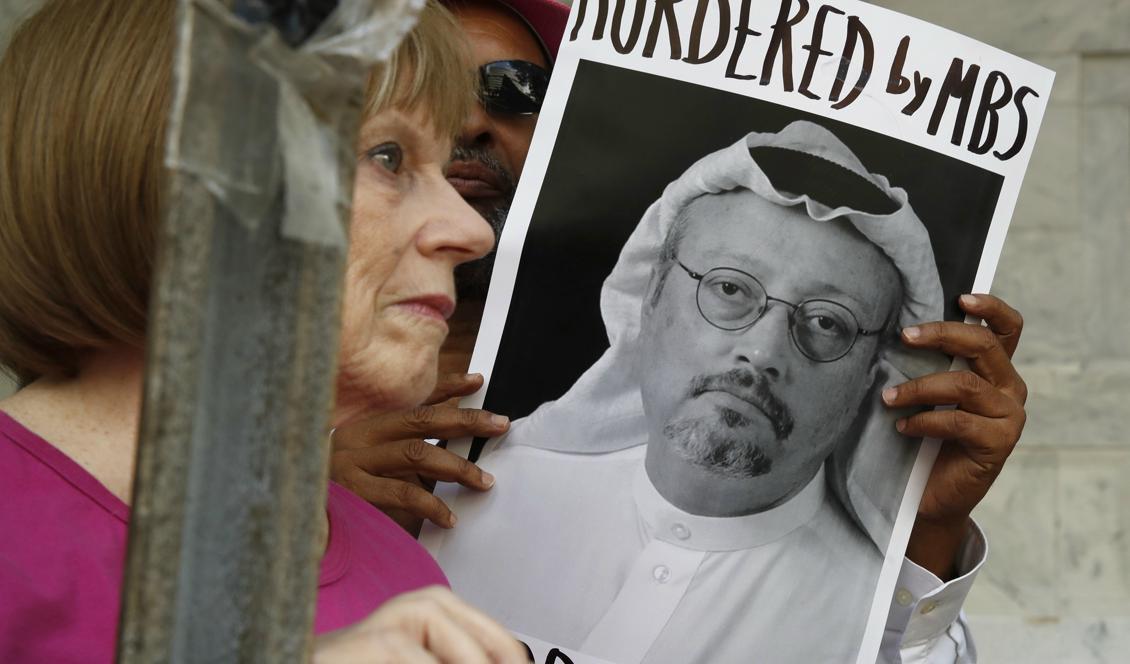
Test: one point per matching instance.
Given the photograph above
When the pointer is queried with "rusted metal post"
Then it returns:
(227, 524)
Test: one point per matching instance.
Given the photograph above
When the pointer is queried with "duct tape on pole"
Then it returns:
(228, 521)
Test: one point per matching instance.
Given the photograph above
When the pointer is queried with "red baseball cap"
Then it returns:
(546, 18)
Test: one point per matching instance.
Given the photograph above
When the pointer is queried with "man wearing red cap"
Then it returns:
(514, 44)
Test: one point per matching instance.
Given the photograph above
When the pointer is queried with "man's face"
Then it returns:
(748, 403)
(491, 149)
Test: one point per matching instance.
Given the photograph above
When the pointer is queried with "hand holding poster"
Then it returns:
(728, 212)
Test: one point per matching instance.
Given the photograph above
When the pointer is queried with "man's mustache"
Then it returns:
(749, 387)
(473, 278)
(484, 157)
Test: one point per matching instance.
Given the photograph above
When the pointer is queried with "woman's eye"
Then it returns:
(387, 155)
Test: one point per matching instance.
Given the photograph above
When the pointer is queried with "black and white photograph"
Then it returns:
(705, 312)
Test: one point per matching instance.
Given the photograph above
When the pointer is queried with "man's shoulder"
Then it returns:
(556, 499)
(524, 444)
(550, 484)
(833, 531)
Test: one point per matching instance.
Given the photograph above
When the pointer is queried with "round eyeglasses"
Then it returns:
(732, 300)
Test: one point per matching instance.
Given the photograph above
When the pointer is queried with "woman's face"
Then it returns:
(409, 231)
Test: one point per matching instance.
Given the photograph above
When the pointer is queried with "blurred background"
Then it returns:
(1056, 589)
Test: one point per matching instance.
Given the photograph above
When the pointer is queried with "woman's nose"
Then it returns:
(454, 228)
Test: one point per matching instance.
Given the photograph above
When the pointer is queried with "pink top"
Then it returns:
(63, 545)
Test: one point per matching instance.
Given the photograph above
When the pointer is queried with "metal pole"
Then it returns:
(228, 506)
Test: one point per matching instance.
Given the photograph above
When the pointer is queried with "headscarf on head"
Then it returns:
(603, 411)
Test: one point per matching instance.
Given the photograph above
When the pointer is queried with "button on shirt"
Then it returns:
(612, 570)
(925, 624)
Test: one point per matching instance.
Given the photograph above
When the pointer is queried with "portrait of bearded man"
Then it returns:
(696, 495)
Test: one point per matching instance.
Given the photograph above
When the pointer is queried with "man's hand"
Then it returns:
(978, 434)
(426, 626)
(384, 458)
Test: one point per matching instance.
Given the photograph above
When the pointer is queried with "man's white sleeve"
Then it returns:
(926, 624)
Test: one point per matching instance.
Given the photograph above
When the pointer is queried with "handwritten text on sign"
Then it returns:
(541, 652)
(798, 36)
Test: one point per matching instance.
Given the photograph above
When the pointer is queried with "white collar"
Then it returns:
(668, 523)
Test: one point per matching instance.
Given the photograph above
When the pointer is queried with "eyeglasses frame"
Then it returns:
(793, 308)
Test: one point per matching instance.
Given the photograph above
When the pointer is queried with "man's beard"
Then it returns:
(722, 444)
(473, 278)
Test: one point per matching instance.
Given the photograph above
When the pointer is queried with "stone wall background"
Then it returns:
(1056, 588)
(1057, 585)
(11, 11)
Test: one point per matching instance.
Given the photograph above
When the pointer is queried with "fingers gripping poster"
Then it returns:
(729, 211)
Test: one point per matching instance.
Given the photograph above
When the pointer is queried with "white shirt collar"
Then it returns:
(664, 521)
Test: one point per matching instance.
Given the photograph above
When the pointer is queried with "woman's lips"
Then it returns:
(474, 180)
(436, 307)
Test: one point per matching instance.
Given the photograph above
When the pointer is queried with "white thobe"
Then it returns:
(612, 570)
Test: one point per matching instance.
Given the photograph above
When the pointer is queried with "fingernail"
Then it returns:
(900, 425)
(968, 300)
(499, 421)
(488, 479)
(889, 394)
(911, 333)
(473, 377)
(451, 520)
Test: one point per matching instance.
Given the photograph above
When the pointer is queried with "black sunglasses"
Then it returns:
(513, 87)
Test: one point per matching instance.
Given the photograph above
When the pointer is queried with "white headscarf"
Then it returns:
(603, 411)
